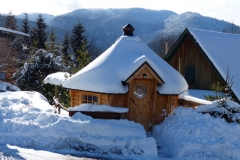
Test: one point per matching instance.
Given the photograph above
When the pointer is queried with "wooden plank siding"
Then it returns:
(189, 55)
(146, 106)
(156, 112)
(165, 104)
(118, 100)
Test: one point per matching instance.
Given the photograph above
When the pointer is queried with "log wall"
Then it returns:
(164, 105)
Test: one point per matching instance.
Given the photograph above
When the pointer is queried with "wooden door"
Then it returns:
(142, 93)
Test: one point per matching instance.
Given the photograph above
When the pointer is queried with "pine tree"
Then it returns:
(24, 53)
(77, 38)
(38, 34)
(83, 58)
(66, 47)
(52, 42)
(25, 24)
(11, 22)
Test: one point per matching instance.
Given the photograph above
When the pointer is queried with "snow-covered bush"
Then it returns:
(227, 109)
(36, 68)
(223, 105)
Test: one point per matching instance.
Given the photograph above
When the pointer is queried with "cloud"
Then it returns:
(68, 5)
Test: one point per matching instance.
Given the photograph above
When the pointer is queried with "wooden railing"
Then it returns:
(58, 105)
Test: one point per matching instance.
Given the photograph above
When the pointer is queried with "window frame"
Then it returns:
(190, 74)
(89, 98)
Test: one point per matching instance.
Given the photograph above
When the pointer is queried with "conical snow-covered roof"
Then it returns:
(107, 73)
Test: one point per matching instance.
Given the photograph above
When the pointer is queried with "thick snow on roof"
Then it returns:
(56, 78)
(191, 98)
(223, 50)
(98, 108)
(106, 73)
(13, 31)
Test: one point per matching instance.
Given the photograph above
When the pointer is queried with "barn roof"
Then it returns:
(221, 49)
(13, 31)
(107, 73)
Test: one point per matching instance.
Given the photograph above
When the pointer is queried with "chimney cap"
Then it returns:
(128, 30)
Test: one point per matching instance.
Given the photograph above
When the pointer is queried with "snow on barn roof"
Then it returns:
(13, 31)
(107, 73)
(223, 50)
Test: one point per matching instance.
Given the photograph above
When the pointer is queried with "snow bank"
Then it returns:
(191, 135)
(25, 125)
(5, 86)
(56, 78)
(98, 108)
(25, 101)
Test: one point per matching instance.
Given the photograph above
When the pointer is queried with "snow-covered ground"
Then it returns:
(28, 121)
(191, 135)
(31, 130)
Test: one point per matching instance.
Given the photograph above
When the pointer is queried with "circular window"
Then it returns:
(140, 91)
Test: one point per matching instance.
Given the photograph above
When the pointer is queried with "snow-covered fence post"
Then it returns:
(59, 102)
(57, 79)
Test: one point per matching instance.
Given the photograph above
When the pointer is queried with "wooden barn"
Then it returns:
(8, 61)
(127, 81)
(203, 58)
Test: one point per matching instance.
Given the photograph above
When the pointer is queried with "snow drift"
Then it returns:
(191, 135)
(27, 121)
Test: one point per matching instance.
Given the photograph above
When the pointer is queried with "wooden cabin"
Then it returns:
(203, 58)
(9, 57)
(127, 81)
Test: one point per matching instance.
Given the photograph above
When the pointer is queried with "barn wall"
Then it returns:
(8, 53)
(188, 55)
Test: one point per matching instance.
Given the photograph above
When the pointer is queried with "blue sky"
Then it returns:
(227, 10)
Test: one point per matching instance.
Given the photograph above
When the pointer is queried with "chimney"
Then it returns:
(166, 47)
(128, 30)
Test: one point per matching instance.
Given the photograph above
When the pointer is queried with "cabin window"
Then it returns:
(190, 74)
(89, 99)
(140, 91)
(144, 75)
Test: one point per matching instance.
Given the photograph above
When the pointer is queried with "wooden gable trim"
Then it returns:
(146, 66)
(176, 45)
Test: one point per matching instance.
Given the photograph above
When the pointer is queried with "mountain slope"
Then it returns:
(104, 26)
(107, 23)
